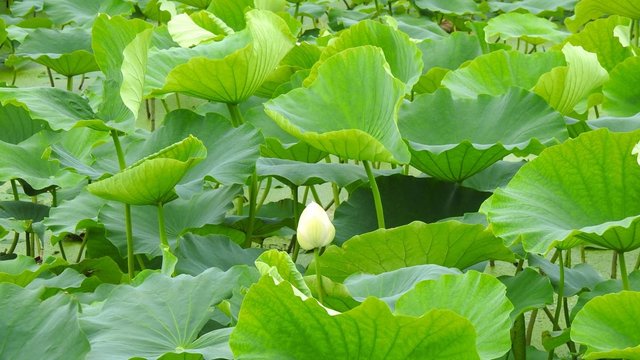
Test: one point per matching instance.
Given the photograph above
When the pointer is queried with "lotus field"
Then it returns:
(319, 179)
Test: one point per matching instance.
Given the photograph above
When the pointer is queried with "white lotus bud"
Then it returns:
(315, 228)
(636, 151)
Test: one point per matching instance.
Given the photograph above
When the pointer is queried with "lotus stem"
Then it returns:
(253, 199)
(28, 244)
(316, 257)
(556, 316)
(82, 246)
(69, 83)
(161, 226)
(127, 208)
(265, 192)
(51, 82)
(294, 247)
(531, 325)
(236, 116)
(54, 203)
(376, 194)
(518, 339)
(316, 197)
(168, 264)
(623, 271)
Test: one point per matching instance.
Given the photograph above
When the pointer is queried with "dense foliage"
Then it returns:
(474, 158)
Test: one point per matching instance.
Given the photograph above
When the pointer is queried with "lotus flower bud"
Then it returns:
(314, 228)
(636, 151)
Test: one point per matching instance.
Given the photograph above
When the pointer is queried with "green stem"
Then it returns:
(69, 83)
(14, 190)
(316, 257)
(623, 271)
(161, 226)
(253, 199)
(518, 339)
(556, 316)
(531, 325)
(127, 208)
(236, 116)
(82, 246)
(295, 14)
(316, 197)
(51, 82)
(377, 7)
(294, 246)
(178, 101)
(165, 106)
(14, 243)
(28, 244)
(376, 194)
(265, 192)
(54, 203)
(614, 265)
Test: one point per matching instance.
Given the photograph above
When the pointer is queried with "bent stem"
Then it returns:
(54, 203)
(16, 235)
(376, 194)
(294, 247)
(316, 257)
(253, 199)
(556, 316)
(127, 208)
(518, 339)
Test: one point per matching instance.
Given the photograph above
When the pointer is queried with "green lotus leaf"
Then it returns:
(17, 125)
(232, 12)
(109, 39)
(83, 13)
(25, 161)
(586, 189)
(450, 52)
(607, 326)
(528, 27)
(620, 94)
(24, 213)
(198, 253)
(332, 115)
(527, 290)
(280, 266)
(181, 216)
(231, 152)
(236, 76)
(187, 32)
(419, 27)
(26, 7)
(493, 177)
(535, 7)
(389, 286)
(563, 87)
(275, 323)
(34, 325)
(605, 287)
(597, 37)
(151, 180)
(404, 199)
(62, 110)
(457, 7)
(592, 9)
(449, 243)
(154, 323)
(336, 295)
(466, 295)
(67, 51)
(134, 67)
(402, 55)
(201, 4)
(496, 72)
(295, 173)
(576, 279)
(453, 139)
(23, 270)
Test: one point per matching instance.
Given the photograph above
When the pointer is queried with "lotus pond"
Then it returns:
(320, 179)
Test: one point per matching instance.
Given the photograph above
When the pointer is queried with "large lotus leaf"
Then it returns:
(231, 152)
(389, 286)
(23, 270)
(467, 296)
(20, 215)
(608, 326)
(181, 215)
(528, 27)
(584, 189)
(457, 7)
(528, 290)
(597, 37)
(237, 76)
(404, 199)
(17, 125)
(453, 139)
(576, 279)
(26, 7)
(155, 322)
(134, 68)
(535, 7)
(29, 327)
(565, 86)
(450, 52)
(66, 51)
(280, 266)
(592, 9)
(402, 55)
(493, 177)
(198, 253)
(418, 27)
(202, 4)
(620, 93)
(151, 180)
(496, 72)
(25, 161)
(332, 115)
(82, 12)
(295, 173)
(62, 110)
(109, 38)
(190, 30)
(232, 12)
(274, 323)
(449, 243)
(605, 287)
